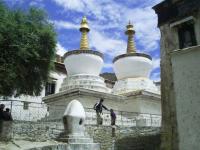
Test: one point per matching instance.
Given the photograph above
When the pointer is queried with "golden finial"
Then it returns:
(84, 30)
(131, 43)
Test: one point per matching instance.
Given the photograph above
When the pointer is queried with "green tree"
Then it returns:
(27, 50)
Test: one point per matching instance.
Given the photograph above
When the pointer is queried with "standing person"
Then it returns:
(99, 108)
(113, 117)
(2, 106)
(6, 128)
(7, 115)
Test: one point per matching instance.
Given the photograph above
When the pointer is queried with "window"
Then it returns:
(25, 106)
(186, 35)
(50, 88)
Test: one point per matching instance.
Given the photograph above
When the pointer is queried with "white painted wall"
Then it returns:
(134, 84)
(186, 77)
(138, 104)
(59, 79)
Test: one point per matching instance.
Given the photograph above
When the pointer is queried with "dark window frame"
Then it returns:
(25, 105)
(50, 88)
(183, 29)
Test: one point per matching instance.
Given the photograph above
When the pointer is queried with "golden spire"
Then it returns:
(84, 30)
(131, 43)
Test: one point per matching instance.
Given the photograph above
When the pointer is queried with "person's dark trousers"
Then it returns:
(99, 118)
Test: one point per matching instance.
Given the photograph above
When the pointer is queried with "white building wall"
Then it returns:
(186, 74)
(36, 109)
(38, 99)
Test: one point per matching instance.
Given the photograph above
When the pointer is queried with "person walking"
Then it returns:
(113, 117)
(99, 108)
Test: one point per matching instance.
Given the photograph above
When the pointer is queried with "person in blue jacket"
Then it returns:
(99, 109)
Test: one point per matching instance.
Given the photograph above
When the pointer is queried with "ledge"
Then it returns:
(186, 50)
(130, 55)
(92, 93)
(144, 93)
(82, 91)
(76, 52)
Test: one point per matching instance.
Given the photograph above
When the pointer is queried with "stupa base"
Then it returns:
(90, 82)
(134, 84)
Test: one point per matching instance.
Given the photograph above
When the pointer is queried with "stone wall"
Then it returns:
(169, 42)
(129, 138)
(35, 131)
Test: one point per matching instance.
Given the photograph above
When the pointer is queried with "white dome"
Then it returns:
(83, 62)
(75, 109)
(132, 66)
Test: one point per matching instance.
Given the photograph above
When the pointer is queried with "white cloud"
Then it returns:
(64, 24)
(155, 76)
(145, 23)
(102, 9)
(117, 15)
(60, 50)
(77, 5)
(156, 63)
(108, 65)
(37, 3)
(105, 44)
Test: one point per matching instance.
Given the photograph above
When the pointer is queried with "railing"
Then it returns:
(26, 111)
(39, 112)
(125, 118)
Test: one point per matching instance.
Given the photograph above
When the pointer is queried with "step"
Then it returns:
(76, 136)
(85, 146)
(76, 140)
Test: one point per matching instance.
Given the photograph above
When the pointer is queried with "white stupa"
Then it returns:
(83, 66)
(133, 69)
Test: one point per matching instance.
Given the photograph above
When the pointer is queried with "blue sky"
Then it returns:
(107, 20)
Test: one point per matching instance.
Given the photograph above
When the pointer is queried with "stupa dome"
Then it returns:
(132, 65)
(83, 62)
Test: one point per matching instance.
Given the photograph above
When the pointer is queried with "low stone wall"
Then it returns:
(30, 131)
(124, 138)
(52, 147)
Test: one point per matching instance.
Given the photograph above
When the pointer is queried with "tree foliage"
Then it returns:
(27, 48)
